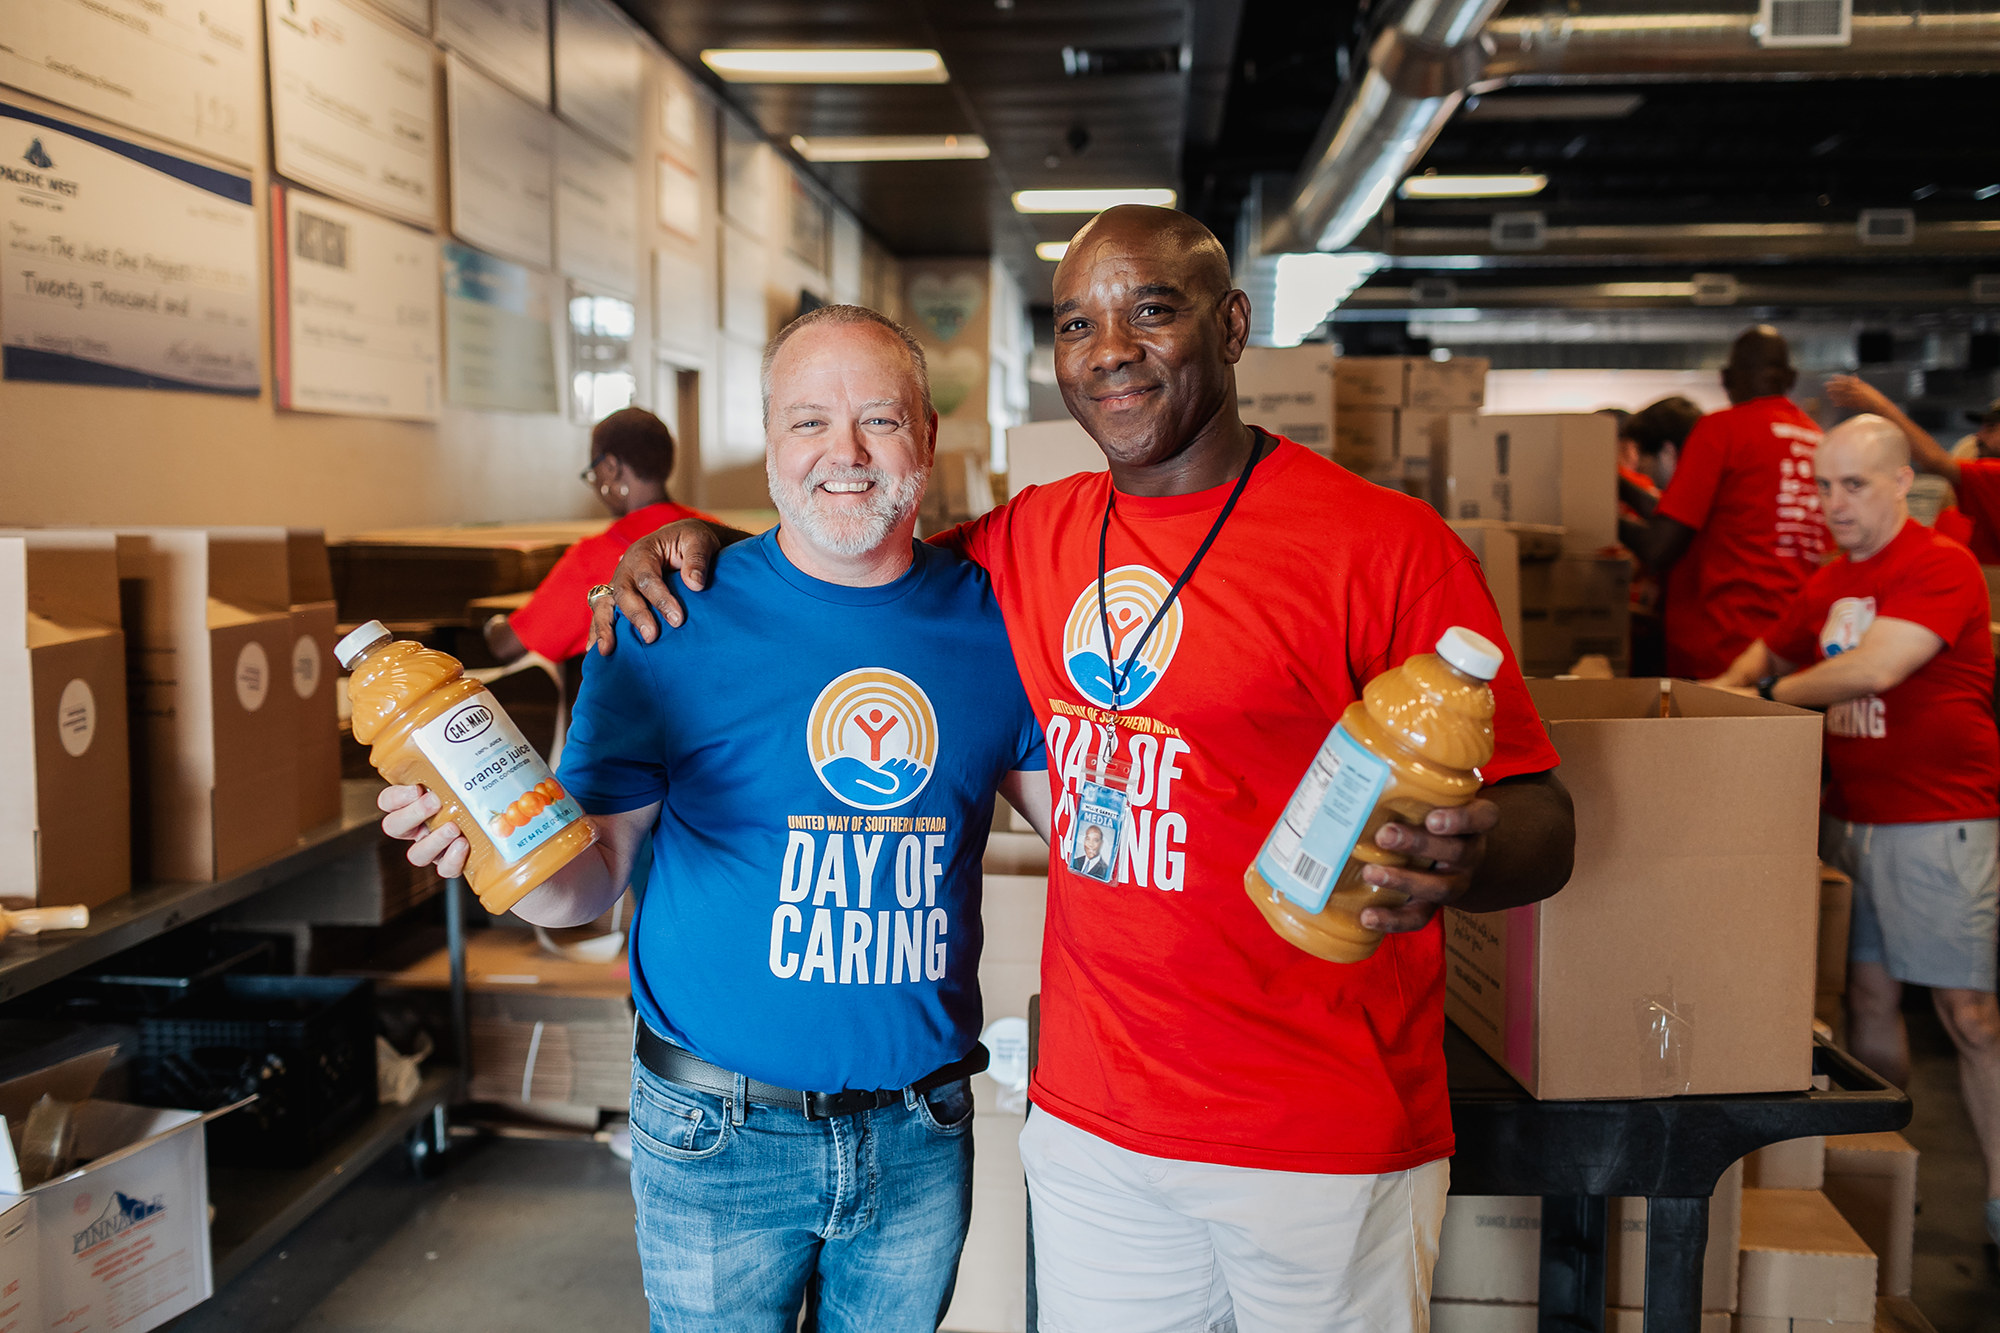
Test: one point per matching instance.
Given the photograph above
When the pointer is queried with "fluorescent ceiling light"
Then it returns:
(888, 147)
(825, 65)
(1053, 251)
(1432, 186)
(1087, 201)
(1553, 106)
(1309, 286)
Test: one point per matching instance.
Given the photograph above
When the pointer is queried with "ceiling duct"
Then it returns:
(1431, 53)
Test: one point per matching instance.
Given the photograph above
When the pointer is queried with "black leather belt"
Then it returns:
(675, 1065)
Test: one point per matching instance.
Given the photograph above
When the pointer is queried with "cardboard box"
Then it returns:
(1744, 1323)
(1836, 912)
(314, 632)
(64, 757)
(1679, 959)
(1625, 1251)
(542, 1048)
(208, 634)
(1489, 1249)
(1557, 468)
(1371, 381)
(1802, 1261)
(1045, 451)
(1634, 1321)
(1572, 607)
(1364, 439)
(1454, 385)
(121, 1242)
(1289, 392)
(1792, 1164)
(991, 1296)
(1872, 1180)
(1472, 1317)
(20, 1291)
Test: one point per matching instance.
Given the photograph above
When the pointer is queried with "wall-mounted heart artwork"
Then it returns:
(944, 305)
(955, 375)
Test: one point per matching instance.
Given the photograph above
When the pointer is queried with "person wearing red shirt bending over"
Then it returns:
(631, 457)
(1737, 532)
(1224, 1125)
(1891, 639)
(1976, 480)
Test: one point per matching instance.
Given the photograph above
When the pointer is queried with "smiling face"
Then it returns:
(847, 440)
(1093, 841)
(1146, 332)
(1864, 476)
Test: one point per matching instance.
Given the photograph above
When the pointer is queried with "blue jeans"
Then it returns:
(737, 1220)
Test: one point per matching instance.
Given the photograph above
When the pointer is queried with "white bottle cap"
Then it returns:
(359, 641)
(1474, 654)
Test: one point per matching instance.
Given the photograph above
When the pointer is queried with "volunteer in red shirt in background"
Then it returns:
(1223, 1123)
(1738, 530)
(1649, 447)
(631, 457)
(1977, 480)
(1891, 639)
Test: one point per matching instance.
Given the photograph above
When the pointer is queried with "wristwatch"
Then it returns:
(1764, 688)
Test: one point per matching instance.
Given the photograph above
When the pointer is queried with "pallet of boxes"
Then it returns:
(1394, 416)
(1681, 959)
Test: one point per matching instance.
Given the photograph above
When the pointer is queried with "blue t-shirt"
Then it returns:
(827, 758)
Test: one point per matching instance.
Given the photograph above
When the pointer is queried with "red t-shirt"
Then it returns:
(1979, 497)
(1745, 485)
(556, 620)
(1952, 523)
(1174, 1020)
(1927, 750)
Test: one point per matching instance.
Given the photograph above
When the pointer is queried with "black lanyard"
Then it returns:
(1118, 677)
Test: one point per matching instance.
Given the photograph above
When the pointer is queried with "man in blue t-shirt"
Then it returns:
(805, 957)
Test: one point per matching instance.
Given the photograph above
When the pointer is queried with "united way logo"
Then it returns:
(1846, 621)
(1133, 595)
(873, 738)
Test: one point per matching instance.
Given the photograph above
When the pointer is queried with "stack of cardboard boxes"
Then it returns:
(1396, 416)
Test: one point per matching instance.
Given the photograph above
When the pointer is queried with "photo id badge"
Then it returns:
(1102, 809)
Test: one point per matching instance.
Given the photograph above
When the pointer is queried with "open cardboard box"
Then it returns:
(64, 760)
(121, 1241)
(317, 748)
(1680, 957)
(208, 636)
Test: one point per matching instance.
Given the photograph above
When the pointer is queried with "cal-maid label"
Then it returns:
(497, 774)
(1323, 821)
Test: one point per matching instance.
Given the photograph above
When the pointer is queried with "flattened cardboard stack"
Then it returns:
(1289, 392)
(1680, 957)
(429, 574)
(64, 758)
(1397, 413)
(208, 632)
(309, 578)
(550, 1033)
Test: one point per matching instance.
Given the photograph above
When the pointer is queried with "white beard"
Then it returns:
(856, 530)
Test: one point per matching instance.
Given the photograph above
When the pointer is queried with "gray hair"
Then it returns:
(846, 314)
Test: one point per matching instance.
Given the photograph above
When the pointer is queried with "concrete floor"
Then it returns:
(524, 1236)
(517, 1237)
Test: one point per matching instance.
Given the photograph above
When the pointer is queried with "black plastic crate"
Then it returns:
(304, 1045)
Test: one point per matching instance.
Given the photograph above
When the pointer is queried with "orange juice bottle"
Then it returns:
(1413, 743)
(431, 724)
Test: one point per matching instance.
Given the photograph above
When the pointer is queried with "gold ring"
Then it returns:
(601, 590)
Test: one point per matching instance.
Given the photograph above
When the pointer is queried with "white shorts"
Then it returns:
(1145, 1244)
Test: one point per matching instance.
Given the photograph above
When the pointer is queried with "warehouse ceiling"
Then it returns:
(1659, 178)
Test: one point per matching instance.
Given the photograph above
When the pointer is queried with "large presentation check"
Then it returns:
(352, 107)
(123, 265)
(185, 70)
(358, 328)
